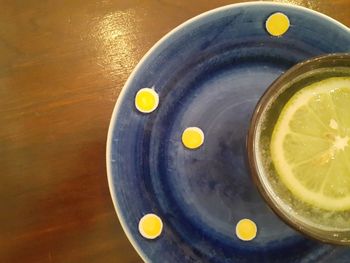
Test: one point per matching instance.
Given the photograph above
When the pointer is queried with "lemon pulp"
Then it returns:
(150, 226)
(192, 137)
(310, 144)
(246, 229)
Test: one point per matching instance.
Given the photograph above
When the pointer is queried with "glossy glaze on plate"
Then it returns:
(209, 73)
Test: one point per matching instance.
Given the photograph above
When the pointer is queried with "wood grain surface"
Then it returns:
(62, 66)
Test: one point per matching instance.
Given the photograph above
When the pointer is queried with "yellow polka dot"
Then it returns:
(150, 226)
(246, 229)
(277, 24)
(146, 100)
(193, 137)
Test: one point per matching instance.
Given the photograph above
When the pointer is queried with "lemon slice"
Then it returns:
(310, 144)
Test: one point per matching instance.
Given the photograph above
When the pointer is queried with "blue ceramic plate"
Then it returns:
(210, 72)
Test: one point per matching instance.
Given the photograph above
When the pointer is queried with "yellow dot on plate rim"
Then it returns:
(192, 137)
(277, 24)
(150, 226)
(246, 229)
(146, 100)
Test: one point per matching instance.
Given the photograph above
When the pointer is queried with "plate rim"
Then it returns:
(113, 122)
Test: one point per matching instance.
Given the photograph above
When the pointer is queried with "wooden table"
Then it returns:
(62, 66)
